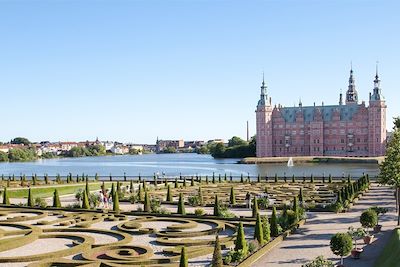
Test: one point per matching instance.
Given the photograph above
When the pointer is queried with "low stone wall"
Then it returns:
(367, 160)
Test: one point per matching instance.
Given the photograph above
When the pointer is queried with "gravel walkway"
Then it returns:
(313, 238)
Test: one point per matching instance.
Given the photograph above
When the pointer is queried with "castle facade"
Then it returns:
(349, 129)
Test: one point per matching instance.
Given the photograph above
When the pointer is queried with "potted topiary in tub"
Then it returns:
(341, 245)
(379, 211)
(355, 235)
(368, 219)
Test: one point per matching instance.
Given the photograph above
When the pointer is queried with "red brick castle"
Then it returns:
(348, 129)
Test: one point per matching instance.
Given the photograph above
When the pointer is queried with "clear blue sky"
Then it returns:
(135, 70)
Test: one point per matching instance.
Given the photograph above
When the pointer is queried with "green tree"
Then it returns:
(369, 218)
(169, 194)
(181, 205)
(232, 197)
(390, 167)
(330, 178)
(255, 208)
(258, 230)
(218, 151)
(341, 245)
(217, 255)
(116, 202)
(146, 204)
(30, 198)
(217, 208)
(20, 141)
(3, 156)
(183, 262)
(236, 141)
(274, 223)
(240, 242)
(85, 200)
(56, 199)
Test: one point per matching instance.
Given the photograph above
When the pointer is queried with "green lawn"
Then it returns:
(48, 191)
(390, 256)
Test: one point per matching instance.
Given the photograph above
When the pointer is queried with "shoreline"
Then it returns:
(312, 159)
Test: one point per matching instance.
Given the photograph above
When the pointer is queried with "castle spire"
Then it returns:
(263, 95)
(340, 98)
(351, 94)
(377, 94)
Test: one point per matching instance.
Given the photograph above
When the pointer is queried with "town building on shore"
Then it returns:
(348, 129)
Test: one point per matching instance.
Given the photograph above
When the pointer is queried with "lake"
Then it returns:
(175, 164)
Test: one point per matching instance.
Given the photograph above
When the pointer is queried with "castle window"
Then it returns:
(318, 141)
(280, 142)
(358, 140)
(342, 141)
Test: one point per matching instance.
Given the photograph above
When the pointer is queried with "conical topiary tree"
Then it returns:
(255, 208)
(301, 198)
(240, 242)
(192, 181)
(296, 207)
(266, 228)
(217, 256)
(176, 183)
(116, 202)
(85, 200)
(144, 186)
(200, 195)
(258, 230)
(181, 205)
(87, 187)
(183, 262)
(6, 199)
(274, 224)
(232, 197)
(330, 178)
(169, 195)
(217, 208)
(146, 204)
(56, 199)
(131, 186)
(112, 190)
(30, 199)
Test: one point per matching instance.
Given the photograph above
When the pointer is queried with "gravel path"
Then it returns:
(312, 239)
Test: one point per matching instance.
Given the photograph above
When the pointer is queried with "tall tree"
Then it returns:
(390, 167)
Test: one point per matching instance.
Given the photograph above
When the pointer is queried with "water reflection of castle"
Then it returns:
(346, 129)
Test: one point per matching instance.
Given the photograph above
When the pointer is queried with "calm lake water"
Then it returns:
(174, 164)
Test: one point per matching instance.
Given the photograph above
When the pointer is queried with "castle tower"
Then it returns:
(376, 120)
(264, 124)
(351, 94)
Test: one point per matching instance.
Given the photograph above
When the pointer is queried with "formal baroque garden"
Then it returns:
(158, 228)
